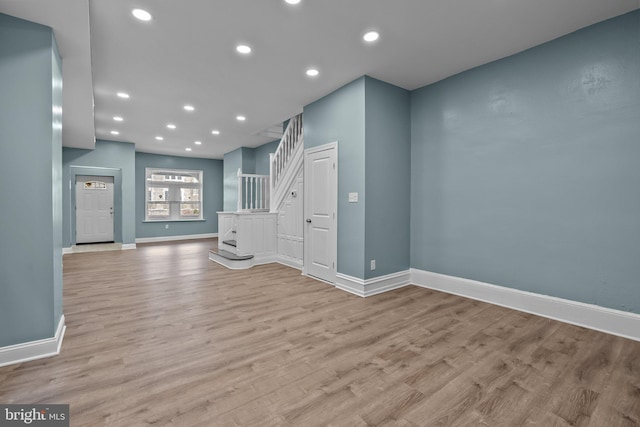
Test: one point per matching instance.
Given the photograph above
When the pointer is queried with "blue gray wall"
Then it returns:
(340, 116)
(232, 162)
(30, 145)
(262, 156)
(370, 119)
(109, 158)
(387, 178)
(212, 195)
(525, 171)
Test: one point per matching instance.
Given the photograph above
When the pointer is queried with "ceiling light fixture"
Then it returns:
(123, 95)
(188, 149)
(241, 118)
(312, 72)
(115, 132)
(159, 138)
(189, 107)
(141, 14)
(118, 118)
(243, 49)
(292, 1)
(371, 36)
(215, 132)
(198, 143)
(171, 126)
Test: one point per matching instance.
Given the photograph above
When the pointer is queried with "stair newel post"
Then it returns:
(246, 192)
(267, 197)
(271, 179)
(239, 189)
(258, 193)
(256, 183)
(252, 184)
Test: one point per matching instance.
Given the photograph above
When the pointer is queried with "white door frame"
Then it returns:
(334, 236)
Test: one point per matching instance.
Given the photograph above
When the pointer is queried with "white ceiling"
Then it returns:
(186, 55)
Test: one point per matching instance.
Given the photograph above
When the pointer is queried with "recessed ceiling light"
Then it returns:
(188, 149)
(189, 107)
(241, 118)
(171, 126)
(371, 36)
(292, 1)
(118, 118)
(115, 132)
(215, 132)
(243, 48)
(312, 72)
(123, 95)
(198, 142)
(141, 14)
(159, 138)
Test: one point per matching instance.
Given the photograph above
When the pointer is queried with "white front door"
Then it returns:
(94, 209)
(320, 195)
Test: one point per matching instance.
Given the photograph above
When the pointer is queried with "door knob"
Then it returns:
(309, 220)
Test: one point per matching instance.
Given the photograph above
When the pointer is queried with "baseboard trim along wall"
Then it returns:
(123, 247)
(608, 320)
(289, 262)
(373, 286)
(172, 238)
(33, 350)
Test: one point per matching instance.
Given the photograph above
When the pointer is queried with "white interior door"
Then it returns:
(94, 209)
(321, 205)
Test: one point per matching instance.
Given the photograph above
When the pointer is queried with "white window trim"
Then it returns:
(174, 197)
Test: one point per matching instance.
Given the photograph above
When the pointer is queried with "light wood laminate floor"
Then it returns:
(162, 336)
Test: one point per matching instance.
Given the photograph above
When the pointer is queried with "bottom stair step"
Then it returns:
(231, 260)
(231, 256)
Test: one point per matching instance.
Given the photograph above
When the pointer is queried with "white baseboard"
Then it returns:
(33, 350)
(123, 247)
(172, 238)
(266, 258)
(289, 262)
(611, 321)
(373, 286)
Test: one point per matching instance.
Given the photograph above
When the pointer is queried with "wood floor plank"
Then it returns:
(162, 336)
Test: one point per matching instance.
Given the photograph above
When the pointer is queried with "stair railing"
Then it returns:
(279, 160)
(253, 192)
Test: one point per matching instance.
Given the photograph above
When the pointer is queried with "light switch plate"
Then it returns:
(353, 197)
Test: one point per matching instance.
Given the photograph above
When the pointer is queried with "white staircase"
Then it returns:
(248, 236)
(286, 162)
